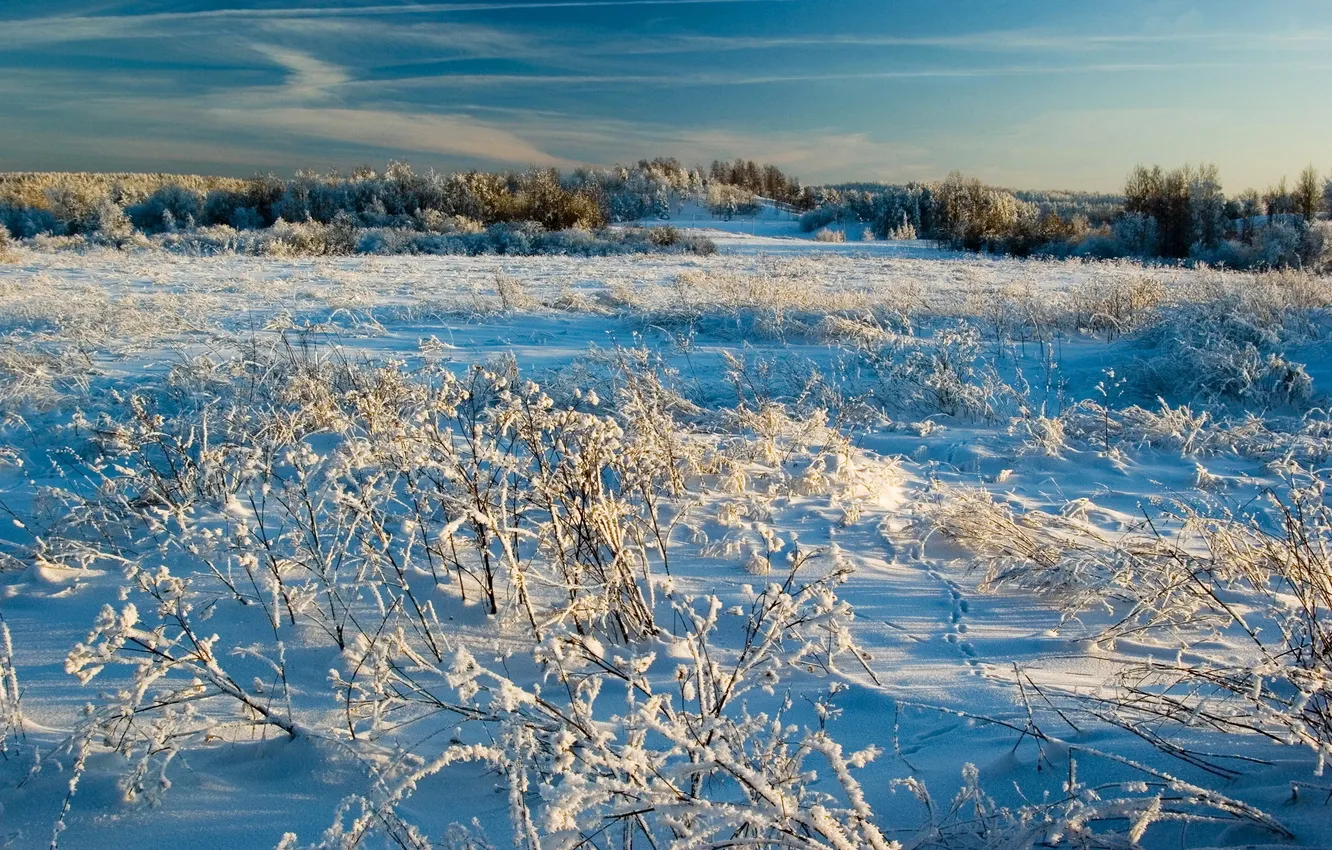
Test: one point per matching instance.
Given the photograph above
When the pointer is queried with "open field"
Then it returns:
(779, 547)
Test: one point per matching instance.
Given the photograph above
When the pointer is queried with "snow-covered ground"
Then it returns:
(775, 230)
(1033, 483)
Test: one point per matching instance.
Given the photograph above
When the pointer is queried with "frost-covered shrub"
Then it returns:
(594, 483)
(664, 236)
(434, 221)
(1321, 235)
(168, 208)
(1282, 243)
(1137, 235)
(310, 237)
(78, 205)
(210, 241)
(245, 218)
(1098, 245)
(27, 222)
(110, 226)
(343, 237)
(514, 238)
(1287, 244)
(943, 373)
(529, 239)
(1227, 254)
(830, 235)
(244, 207)
(1218, 352)
(1113, 305)
(11, 706)
(385, 241)
(1264, 574)
(552, 516)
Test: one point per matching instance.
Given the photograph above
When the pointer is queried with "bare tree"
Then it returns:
(1306, 193)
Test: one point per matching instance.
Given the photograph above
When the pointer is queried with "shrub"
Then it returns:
(343, 237)
(245, 218)
(1265, 574)
(664, 236)
(248, 205)
(1114, 306)
(434, 221)
(697, 243)
(1137, 235)
(1222, 351)
(830, 235)
(1287, 244)
(941, 375)
(110, 226)
(294, 239)
(26, 222)
(167, 208)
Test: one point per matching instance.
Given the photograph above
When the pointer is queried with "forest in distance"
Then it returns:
(1178, 215)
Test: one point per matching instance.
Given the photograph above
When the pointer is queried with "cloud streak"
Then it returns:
(442, 135)
(987, 41)
(309, 78)
(66, 28)
(749, 79)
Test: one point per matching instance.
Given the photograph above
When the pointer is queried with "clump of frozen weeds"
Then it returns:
(1263, 574)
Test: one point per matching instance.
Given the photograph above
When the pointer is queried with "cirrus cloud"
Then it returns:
(445, 135)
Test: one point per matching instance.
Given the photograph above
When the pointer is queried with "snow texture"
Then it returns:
(805, 544)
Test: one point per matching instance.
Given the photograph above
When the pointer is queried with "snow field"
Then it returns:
(779, 547)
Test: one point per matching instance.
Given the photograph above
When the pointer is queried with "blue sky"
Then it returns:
(1018, 92)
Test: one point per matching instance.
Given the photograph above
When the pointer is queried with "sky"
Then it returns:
(1020, 93)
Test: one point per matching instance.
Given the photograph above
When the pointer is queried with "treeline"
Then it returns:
(1097, 207)
(1184, 214)
(889, 212)
(73, 204)
(1176, 215)
(923, 209)
(766, 181)
(1179, 215)
(364, 210)
(112, 206)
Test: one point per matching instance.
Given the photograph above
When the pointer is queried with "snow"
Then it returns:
(947, 653)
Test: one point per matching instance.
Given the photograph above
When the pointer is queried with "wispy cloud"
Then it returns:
(443, 135)
(986, 41)
(18, 31)
(444, 38)
(308, 78)
(752, 79)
